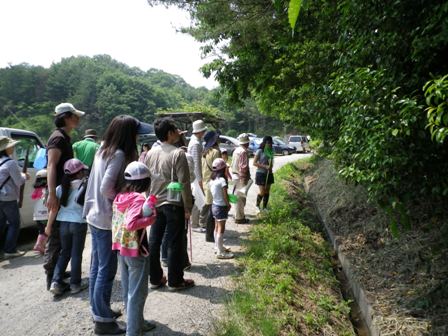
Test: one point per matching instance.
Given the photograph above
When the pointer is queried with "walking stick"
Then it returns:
(267, 175)
(24, 170)
(191, 243)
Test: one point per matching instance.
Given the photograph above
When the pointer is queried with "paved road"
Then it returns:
(26, 308)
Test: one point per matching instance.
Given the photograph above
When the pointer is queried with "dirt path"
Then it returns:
(26, 308)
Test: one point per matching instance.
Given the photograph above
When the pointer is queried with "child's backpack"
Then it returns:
(40, 162)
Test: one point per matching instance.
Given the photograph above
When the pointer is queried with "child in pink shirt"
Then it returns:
(132, 214)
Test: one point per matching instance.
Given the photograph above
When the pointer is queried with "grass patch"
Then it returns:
(287, 286)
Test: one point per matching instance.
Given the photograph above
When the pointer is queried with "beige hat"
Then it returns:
(67, 107)
(6, 142)
(198, 126)
(243, 139)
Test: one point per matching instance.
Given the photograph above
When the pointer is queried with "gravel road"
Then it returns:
(26, 308)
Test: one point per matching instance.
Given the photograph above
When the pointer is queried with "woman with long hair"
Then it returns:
(264, 160)
(106, 179)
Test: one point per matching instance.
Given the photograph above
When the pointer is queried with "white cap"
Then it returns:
(67, 107)
(136, 171)
(41, 173)
(198, 126)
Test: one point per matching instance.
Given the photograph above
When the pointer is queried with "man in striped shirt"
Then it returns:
(241, 173)
(195, 150)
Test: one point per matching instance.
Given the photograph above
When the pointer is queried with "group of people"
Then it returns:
(117, 194)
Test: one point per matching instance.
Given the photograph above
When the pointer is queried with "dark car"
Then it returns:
(282, 148)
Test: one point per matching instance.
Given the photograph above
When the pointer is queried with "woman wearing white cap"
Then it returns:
(59, 151)
(11, 178)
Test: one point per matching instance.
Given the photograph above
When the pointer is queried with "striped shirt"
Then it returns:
(195, 150)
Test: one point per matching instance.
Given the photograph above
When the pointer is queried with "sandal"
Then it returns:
(187, 283)
(160, 284)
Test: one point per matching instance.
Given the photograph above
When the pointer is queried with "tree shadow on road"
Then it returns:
(164, 330)
(215, 295)
(26, 260)
(213, 271)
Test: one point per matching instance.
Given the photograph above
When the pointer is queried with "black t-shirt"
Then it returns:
(60, 140)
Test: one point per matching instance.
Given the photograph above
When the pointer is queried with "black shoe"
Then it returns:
(108, 328)
(242, 221)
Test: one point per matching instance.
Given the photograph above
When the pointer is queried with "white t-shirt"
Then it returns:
(216, 187)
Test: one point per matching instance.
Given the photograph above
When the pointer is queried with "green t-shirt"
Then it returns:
(85, 150)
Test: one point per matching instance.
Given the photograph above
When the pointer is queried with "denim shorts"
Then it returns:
(219, 212)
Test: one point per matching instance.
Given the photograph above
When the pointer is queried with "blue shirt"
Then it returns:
(72, 212)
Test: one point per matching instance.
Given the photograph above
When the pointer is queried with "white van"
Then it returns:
(27, 140)
(300, 143)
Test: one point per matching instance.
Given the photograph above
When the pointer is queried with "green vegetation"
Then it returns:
(352, 74)
(287, 285)
(105, 88)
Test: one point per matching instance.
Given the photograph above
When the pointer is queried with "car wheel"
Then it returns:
(285, 152)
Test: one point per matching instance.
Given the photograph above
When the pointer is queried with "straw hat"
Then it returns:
(243, 139)
(6, 142)
(198, 126)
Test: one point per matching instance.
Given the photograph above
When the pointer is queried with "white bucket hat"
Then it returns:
(198, 126)
(67, 107)
(6, 142)
(243, 139)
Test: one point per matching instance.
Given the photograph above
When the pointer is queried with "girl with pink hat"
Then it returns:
(220, 206)
(72, 228)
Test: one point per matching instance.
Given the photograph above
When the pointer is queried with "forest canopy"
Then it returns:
(104, 88)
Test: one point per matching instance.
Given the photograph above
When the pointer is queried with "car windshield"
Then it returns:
(280, 142)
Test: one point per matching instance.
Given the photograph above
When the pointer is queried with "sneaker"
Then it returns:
(226, 249)
(14, 254)
(159, 285)
(57, 289)
(224, 255)
(187, 283)
(75, 289)
(200, 230)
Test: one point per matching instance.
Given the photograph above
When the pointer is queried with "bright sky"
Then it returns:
(40, 32)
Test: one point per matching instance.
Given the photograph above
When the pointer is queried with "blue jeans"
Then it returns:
(172, 219)
(103, 267)
(9, 213)
(134, 281)
(73, 237)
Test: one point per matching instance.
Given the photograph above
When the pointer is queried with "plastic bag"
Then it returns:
(199, 197)
(40, 162)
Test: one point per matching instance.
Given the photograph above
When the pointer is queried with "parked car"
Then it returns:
(254, 144)
(282, 148)
(300, 143)
(228, 143)
(27, 139)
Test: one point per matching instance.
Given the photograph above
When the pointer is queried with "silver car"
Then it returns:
(28, 140)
